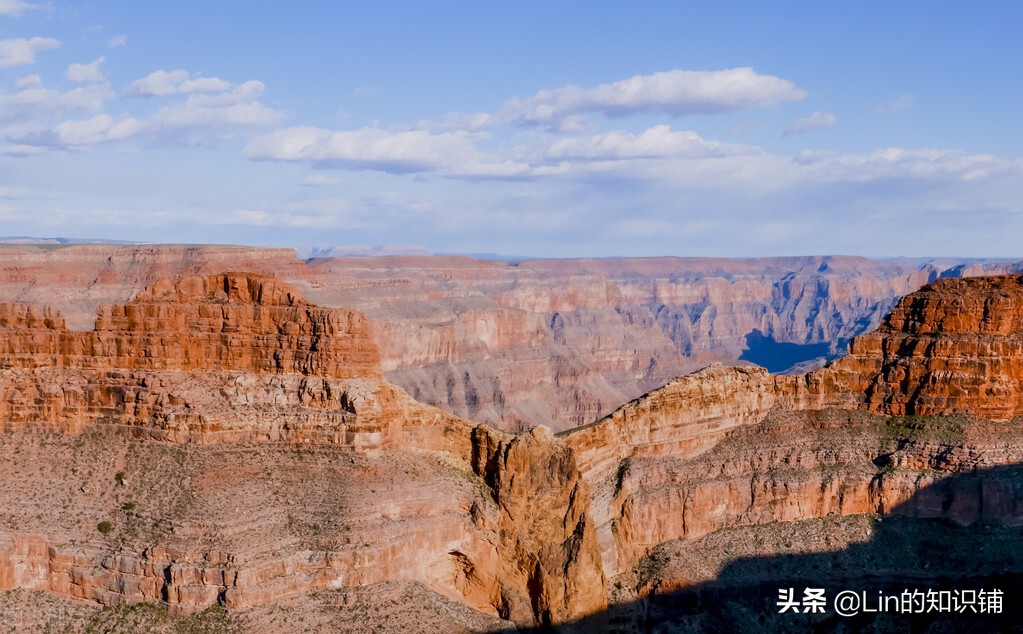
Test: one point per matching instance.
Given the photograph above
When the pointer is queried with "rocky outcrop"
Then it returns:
(564, 342)
(954, 347)
(555, 573)
(738, 446)
(75, 279)
(230, 356)
(234, 361)
(515, 344)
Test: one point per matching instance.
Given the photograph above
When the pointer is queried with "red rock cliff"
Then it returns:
(500, 523)
(954, 347)
(227, 356)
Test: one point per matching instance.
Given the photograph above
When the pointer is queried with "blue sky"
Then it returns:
(545, 129)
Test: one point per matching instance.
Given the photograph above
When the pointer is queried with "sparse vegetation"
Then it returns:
(119, 478)
(943, 429)
(105, 527)
(623, 470)
(651, 566)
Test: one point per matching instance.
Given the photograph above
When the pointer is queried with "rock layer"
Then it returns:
(372, 487)
(231, 359)
(515, 344)
(954, 347)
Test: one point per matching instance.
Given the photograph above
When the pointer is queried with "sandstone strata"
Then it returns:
(370, 487)
(234, 359)
(564, 342)
(514, 344)
(728, 447)
(956, 347)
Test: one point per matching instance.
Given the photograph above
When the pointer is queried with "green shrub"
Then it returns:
(105, 527)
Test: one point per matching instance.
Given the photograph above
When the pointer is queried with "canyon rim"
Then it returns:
(216, 450)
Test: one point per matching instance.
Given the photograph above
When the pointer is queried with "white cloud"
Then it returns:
(660, 157)
(815, 121)
(15, 7)
(20, 52)
(922, 164)
(161, 82)
(675, 93)
(458, 155)
(99, 129)
(35, 100)
(208, 84)
(28, 81)
(656, 142)
(90, 72)
(197, 114)
(901, 102)
(117, 40)
(367, 148)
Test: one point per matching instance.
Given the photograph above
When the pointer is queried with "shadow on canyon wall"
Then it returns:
(962, 533)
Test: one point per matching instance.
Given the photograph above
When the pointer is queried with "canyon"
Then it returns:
(518, 343)
(225, 449)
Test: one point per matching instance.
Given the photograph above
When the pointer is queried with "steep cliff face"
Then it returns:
(554, 342)
(76, 279)
(556, 573)
(369, 486)
(954, 347)
(726, 449)
(564, 342)
(225, 356)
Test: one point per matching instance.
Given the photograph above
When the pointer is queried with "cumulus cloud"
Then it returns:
(815, 121)
(656, 142)
(15, 7)
(901, 102)
(34, 100)
(161, 82)
(28, 125)
(21, 51)
(458, 154)
(227, 110)
(117, 40)
(28, 81)
(674, 93)
(367, 148)
(899, 163)
(90, 72)
(99, 129)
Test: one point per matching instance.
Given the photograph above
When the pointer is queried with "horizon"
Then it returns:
(413, 251)
(572, 131)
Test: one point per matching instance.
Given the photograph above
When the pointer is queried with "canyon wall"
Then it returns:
(728, 447)
(563, 342)
(515, 344)
(219, 440)
(955, 348)
(283, 464)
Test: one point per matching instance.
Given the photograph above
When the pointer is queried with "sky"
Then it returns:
(549, 129)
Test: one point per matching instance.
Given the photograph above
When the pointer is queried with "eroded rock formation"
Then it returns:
(297, 469)
(233, 359)
(515, 344)
(956, 347)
